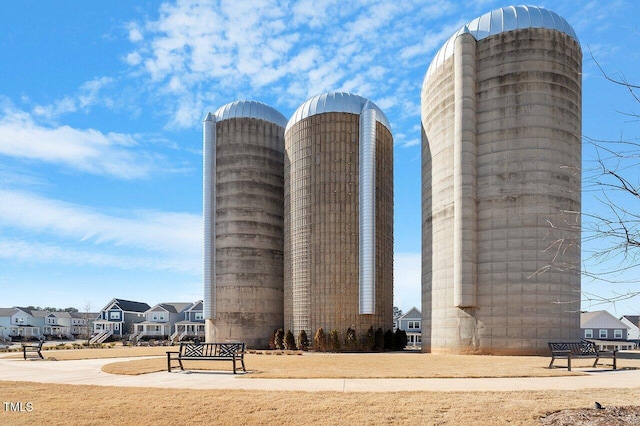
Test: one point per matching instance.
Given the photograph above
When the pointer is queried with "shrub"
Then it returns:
(272, 340)
(379, 339)
(334, 341)
(350, 342)
(289, 341)
(400, 340)
(279, 341)
(303, 341)
(320, 341)
(370, 343)
(388, 340)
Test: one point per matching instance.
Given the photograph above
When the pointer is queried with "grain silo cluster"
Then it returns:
(299, 213)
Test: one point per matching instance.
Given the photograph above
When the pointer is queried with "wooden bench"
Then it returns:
(576, 350)
(207, 352)
(32, 347)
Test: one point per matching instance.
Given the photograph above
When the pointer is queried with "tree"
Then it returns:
(279, 339)
(611, 233)
(303, 341)
(320, 341)
(397, 312)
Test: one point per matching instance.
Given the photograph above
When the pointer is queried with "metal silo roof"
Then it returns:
(335, 102)
(250, 109)
(503, 20)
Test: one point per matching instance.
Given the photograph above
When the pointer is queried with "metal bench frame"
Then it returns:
(577, 350)
(231, 351)
(32, 347)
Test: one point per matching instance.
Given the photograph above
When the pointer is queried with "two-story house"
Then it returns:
(605, 330)
(26, 323)
(82, 323)
(411, 323)
(57, 325)
(191, 326)
(160, 321)
(117, 319)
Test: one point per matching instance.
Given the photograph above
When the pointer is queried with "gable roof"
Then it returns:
(174, 308)
(128, 305)
(413, 313)
(600, 320)
(633, 319)
(7, 312)
(197, 306)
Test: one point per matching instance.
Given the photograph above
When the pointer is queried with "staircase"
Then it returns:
(100, 337)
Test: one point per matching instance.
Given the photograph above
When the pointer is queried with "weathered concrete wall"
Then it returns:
(249, 231)
(528, 130)
(321, 226)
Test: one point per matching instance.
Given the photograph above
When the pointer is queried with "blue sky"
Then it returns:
(101, 106)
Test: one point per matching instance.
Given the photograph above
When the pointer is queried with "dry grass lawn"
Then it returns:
(385, 365)
(75, 404)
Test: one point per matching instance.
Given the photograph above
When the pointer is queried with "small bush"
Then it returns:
(370, 342)
(272, 340)
(279, 341)
(379, 339)
(303, 341)
(350, 341)
(334, 341)
(289, 341)
(400, 340)
(388, 340)
(320, 341)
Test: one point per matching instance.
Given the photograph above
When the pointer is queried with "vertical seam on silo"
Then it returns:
(366, 226)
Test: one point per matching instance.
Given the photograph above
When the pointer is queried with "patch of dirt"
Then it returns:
(606, 416)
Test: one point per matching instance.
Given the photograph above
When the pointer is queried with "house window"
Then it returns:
(114, 315)
(588, 333)
(414, 324)
(199, 316)
(603, 334)
(617, 334)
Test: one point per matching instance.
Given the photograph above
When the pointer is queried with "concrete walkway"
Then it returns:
(88, 372)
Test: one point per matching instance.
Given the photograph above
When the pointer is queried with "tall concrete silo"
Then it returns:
(243, 222)
(501, 161)
(338, 216)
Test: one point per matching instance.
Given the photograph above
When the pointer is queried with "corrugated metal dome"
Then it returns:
(503, 20)
(335, 102)
(250, 109)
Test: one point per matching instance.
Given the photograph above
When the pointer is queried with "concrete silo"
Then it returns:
(243, 222)
(501, 161)
(338, 216)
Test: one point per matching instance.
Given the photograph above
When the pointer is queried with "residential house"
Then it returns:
(117, 319)
(82, 323)
(633, 325)
(605, 330)
(192, 325)
(160, 321)
(21, 323)
(411, 323)
(57, 325)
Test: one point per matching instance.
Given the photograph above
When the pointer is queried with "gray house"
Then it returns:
(607, 331)
(160, 321)
(191, 326)
(411, 323)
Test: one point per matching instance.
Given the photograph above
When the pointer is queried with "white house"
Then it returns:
(633, 325)
(411, 323)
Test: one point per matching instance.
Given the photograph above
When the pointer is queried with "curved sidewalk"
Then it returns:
(88, 372)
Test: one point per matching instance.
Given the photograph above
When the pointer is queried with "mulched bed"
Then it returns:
(606, 416)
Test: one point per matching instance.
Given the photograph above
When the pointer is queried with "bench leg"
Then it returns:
(551, 363)
(242, 361)
(234, 364)
(615, 367)
(596, 361)
(40, 354)
(169, 363)
(569, 362)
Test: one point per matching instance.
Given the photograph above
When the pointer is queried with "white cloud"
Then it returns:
(86, 150)
(89, 94)
(149, 238)
(149, 230)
